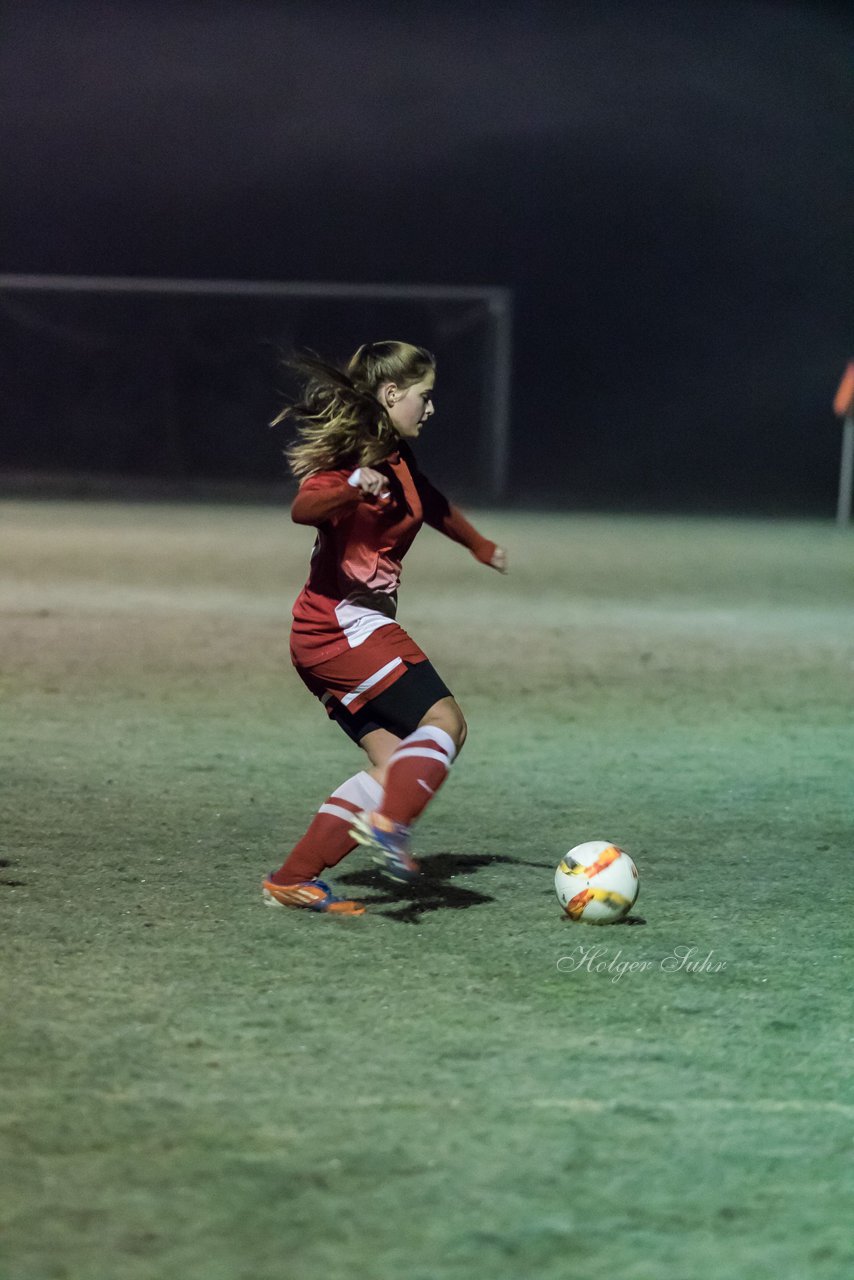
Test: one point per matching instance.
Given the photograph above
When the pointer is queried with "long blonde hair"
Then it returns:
(339, 420)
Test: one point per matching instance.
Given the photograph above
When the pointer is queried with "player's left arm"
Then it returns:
(440, 513)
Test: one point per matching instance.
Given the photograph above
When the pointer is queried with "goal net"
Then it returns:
(180, 378)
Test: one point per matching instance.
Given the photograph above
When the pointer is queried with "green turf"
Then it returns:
(460, 1083)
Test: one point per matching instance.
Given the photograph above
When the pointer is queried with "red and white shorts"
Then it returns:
(384, 682)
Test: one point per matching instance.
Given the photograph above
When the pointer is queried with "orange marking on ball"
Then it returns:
(606, 857)
(576, 905)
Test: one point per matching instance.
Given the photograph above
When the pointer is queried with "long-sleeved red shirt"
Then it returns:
(356, 562)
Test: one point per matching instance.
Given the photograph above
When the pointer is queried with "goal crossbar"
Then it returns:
(496, 301)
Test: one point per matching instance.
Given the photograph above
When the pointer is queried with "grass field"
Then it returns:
(460, 1083)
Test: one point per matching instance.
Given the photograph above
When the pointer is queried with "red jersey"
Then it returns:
(356, 562)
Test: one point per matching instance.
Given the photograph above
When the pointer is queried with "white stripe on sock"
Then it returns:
(337, 811)
(403, 752)
(433, 733)
(371, 791)
(361, 790)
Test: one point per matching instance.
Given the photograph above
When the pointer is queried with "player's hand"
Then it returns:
(371, 483)
(499, 560)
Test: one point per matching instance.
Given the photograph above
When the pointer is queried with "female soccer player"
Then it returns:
(362, 490)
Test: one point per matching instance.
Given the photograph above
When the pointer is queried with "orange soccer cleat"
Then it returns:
(311, 895)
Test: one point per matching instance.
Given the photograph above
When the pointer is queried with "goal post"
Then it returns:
(489, 307)
(843, 407)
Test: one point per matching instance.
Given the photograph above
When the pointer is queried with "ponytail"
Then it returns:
(339, 420)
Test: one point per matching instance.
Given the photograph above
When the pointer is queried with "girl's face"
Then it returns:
(410, 407)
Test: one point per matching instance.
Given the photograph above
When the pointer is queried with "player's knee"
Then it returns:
(447, 715)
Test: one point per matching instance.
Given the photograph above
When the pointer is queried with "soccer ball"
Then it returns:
(596, 882)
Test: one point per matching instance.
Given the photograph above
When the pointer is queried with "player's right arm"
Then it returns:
(328, 495)
(441, 514)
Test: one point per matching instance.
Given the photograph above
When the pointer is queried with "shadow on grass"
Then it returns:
(11, 884)
(433, 891)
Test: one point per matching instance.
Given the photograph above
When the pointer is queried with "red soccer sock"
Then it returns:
(328, 838)
(415, 773)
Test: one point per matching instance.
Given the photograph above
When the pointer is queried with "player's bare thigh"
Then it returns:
(380, 744)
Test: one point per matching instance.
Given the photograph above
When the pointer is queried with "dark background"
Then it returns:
(667, 188)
